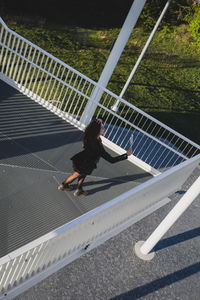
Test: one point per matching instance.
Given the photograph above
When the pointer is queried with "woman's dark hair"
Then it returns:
(91, 132)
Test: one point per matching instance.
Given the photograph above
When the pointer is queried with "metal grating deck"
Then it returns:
(35, 147)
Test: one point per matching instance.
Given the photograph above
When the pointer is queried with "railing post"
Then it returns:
(113, 58)
(142, 249)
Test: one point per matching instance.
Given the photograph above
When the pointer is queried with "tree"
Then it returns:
(174, 16)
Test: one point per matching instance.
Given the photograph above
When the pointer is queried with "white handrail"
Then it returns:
(119, 200)
(145, 133)
(46, 53)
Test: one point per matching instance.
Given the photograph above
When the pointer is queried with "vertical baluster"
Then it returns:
(14, 58)
(68, 86)
(77, 115)
(183, 150)
(8, 274)
(36, 84)
(149, 144)
(161, 153)
(79, 105)
(30, 67)
(110, 125)
(15, 269)
(46, 73)
(25, 67)
(49, 84)
(124, 127)
(55, 79)
(75, 93)
(35, 69)
(9, 59)
(6, 51)
(35, 256)
(58, 85)
(103, 109)
(22, 62)
(195, 152)
(158, 150)
(2, 48)
(128, 133)
(4, 275)
(18, 60)
(172, 156)
(143, 140)
(59, 104)
(69, 97)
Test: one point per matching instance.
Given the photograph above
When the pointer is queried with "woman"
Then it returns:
(86, 161)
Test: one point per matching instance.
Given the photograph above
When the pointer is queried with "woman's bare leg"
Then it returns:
(71, 178)
(79, 190)
(64, 186)
(80, 181)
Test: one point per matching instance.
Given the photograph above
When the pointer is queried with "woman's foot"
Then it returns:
(80, 192)
(65, 187)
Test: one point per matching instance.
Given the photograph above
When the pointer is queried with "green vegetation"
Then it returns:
(193, 18)
(167, 82)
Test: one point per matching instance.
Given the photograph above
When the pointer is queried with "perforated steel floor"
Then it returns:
(35, 151)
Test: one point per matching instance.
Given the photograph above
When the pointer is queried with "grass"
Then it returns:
(166, 84)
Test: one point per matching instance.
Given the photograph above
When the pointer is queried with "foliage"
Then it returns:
(193, 19)
(174, 16)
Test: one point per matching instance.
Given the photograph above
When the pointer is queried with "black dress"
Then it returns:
(86, 161)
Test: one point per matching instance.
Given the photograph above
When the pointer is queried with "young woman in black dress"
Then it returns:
(86, 161)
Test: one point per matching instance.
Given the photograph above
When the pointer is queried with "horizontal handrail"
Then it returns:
(46, 53)
(43, 70)
(142, 131)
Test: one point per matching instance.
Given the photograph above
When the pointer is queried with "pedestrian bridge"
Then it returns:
(43, 112)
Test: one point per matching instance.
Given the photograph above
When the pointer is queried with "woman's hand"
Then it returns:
(129, 151)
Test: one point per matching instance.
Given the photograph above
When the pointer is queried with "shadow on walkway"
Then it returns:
(157, 284)
(108, 183)
(179, 238)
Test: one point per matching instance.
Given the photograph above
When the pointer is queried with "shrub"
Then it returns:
(193, 19)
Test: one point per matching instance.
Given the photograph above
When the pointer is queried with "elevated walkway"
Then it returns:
(35, 152)
(41, 121)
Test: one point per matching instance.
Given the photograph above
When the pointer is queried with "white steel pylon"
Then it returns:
(143, 249)
(115, 106)
(112, 61)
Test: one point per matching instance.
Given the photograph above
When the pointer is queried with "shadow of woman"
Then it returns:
(109, 182)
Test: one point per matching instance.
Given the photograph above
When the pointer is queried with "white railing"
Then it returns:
(86, 232)
(45, 78)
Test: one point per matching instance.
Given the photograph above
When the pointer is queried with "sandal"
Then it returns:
(80, 192)
(65, 187)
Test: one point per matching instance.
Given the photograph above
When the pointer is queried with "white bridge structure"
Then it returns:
(167, 155)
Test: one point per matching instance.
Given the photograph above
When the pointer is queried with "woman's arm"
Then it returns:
(115, 159)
